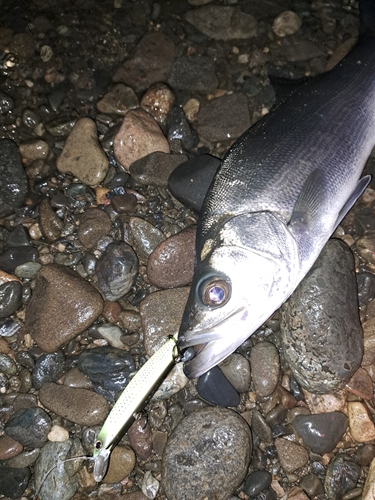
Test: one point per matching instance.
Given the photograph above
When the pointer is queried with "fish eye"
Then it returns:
(98, 445)
(215, 292)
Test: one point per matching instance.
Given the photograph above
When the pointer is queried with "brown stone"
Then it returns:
(9, 447)
(361, 384)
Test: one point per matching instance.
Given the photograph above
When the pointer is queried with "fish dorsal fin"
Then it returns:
(358, 190)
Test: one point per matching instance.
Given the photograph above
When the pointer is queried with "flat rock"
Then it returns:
(29, 426)
(13, 180)
(82, 155)
(193, 73)
(139, 135)
(81, 406)
(118, 101)
(292, 456)
(210, 452)
(320, 329)
(62, 305)
(155, 168)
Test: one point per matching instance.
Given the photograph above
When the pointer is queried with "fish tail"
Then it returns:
(367, 17)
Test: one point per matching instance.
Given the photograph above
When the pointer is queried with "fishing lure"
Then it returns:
(131, 401)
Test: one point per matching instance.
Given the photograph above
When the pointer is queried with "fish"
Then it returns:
(131, 401)
(281, 191)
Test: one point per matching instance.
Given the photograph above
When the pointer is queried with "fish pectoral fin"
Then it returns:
(358, 190)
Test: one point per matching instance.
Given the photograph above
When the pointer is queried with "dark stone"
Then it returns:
(29, 426)
(256, 482)
(365, 454)
(312, 485)
(13, 180)
(10, 298)
(6, 103)
(321, 334)
(13, 482)
(14, 257)
(180, 132)
(214, 387)
(189, 182)
(193, 73)
(18, 237)
(48, 368)
(366, 287)
(155, 168)
(342, 476)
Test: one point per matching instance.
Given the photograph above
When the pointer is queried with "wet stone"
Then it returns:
(112, 334)
(6, 103)
(108, 368)
(365, 454)
(121, 463)
(29, 426)
(224, 118)
(10, 298)
(50, 224)
(199, 446)
(140, 438)
(34, 150)
(82, 155)
(81, 406)
(62, 305)
(287, 23)
(28, 270)
(155, 168)
(18, 237)
(48, 368)
(361, 384)
(146, 237)
(171, 264)
(265, 368)
(236, 369)
(118, 101)
(24, 459)
(7, 365)
(189, 182)
(361, 426)
(13, 482)
(11, 258)
(256, 482)
(366, 287)
(369, 487)
(158, 101)
(292, 456)
(193, 73)
(124, 203)
(341, 476)
(150, 63)
(93, 225)
(321, 432)
(312, 485)
(116, 270)
(138, 136)
(9, 447)
(215, 388)
(260, 426)
(12, 178)
(174, 382)
(325, 301)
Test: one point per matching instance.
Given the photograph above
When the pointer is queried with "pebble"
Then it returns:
(94, 223)
(321, 432)
(112, 334)
(12, 178)
(13, 482)
(365, 454)
(260, 426)
(174, 382)
(59, 479)
(368, 341)
(265, 368)
(189, 182)
(140, 437)
(121, 463)
(29, 426)
(150, 485)
(62, 305)
(287, 23)
(117, 270)
(146, 237)
(18, 237)
(11, 258)
(324, 363)
(323, 403)
(193, 73)
(9, 447)
(10, 298)
(58, 434)
(291, 455)
(74, 378)
(150, 63)
(296, 49)
(161, 314)
(211, 122)
(34, 150)
(369, 487)
(180, 135)
(6, 103)
(361, 426)
(82, 155)
(28, 270)
(361, 384)
(236, 369)
(50, 224)
(223, 23)
(366, 287)
(124, 203)
(24, 459)
(118, 101)
(196, 450)
(22, 46)
(215, 388)
(158, 101)
(341, 476)
(256, 482)
(155, 168)
(108, 368)
(48, 368)
(171, 264)
(312, 485)
(138, 136)
(81, 406)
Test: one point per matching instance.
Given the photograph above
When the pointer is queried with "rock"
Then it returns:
(81, 406)
(215, 388)
(62, 305)
(94, 223)
(9, 448)
(29, 426)
(139, 135)
(236, 369)
(112, 334)
(320, 362)
(82, 155)
(323, 403)
(361, 384)
(146, 237)
(296, 49)
(321, 432)
(189, 182)
(365, 454)
(312, 485)
(13, 482)
(50, 224)
(18, 237)
(10, 298)
(171, 264)
(223, 23)
(369, 487)
(158, 101)
(173, 382)
(292, 456)
(366, 287)
(193, 73)
(34, 150)
(124, 203)
(265, 368)
(58, 434)
(12, 178)
(223, 118)
(140, 437)
(260, 426)
(341, 476)
(150, 63)
(11, 258)
(118, 101)
(180, 135)
(161, 314)
(117, 270)
(121, 463)
(48, 368)
(287, 23)
(198, 448)
(362, 428)
(155, 168)
(256, 482)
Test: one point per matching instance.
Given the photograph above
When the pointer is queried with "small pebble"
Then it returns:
(140, 438)
(155, 168)
(29, 426)
(58, 434)
(12, 178)
(236, 369)
(265, 368)
(361, 426)
(146, 237)
(9, 447)
(292, 456)
(48, 368)
(361, 384)
(287, 23)
(256, 482)
(121, 463)
(93, 225)
(118, 101)
(158, 101)
(34, 150)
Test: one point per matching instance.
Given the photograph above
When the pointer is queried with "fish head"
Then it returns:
(245, 269)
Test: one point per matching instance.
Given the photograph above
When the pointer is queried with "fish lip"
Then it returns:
(190, 369)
